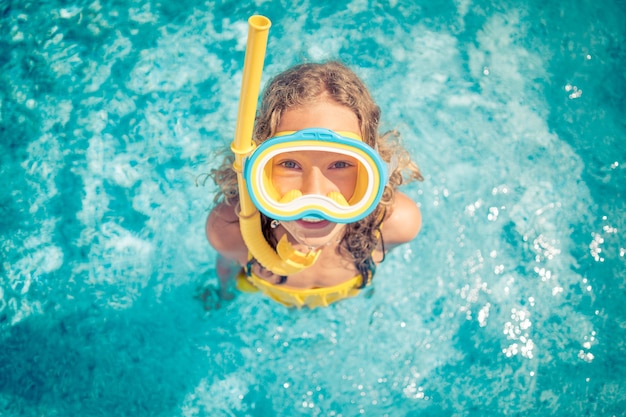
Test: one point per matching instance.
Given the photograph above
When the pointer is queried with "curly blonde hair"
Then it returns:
(305, 84)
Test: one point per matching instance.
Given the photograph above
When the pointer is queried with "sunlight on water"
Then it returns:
(507, 303)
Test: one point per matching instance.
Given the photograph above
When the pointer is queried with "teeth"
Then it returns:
(312, 219)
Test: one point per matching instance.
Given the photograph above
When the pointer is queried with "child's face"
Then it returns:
(316, 172)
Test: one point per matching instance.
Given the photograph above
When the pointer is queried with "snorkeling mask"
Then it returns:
(371, 177)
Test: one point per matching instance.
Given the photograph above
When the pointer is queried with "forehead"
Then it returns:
(326, 114)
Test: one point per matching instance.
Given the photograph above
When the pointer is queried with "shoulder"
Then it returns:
(223, 233)
(403, 222)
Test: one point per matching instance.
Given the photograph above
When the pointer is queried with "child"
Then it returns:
(330, 102)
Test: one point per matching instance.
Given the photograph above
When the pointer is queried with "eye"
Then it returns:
(341, 164)
(288, 164)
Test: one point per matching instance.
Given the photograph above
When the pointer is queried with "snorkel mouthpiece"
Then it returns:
(294, 257)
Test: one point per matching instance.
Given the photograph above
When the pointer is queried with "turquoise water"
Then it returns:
(510, 302)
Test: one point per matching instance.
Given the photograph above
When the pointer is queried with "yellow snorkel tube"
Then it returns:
(285, 260)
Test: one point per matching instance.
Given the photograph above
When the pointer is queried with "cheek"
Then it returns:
(347, 187)
(284, 183)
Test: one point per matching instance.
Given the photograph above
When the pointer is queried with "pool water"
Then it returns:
(509, 302)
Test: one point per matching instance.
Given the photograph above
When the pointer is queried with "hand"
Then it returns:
(210, 296)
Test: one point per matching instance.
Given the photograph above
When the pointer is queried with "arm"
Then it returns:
(222, 230)
(403, 222)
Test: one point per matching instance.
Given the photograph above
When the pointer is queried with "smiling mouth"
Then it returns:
(312, 223)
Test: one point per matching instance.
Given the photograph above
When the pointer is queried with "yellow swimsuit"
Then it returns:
(297, 297)
(300, 297)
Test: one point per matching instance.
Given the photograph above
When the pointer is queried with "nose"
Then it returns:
(315, 182)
